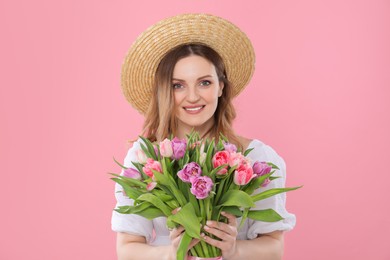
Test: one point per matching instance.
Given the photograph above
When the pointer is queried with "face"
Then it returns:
(196, 90)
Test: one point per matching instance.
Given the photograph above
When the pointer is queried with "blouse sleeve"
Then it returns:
(262, 152)
(130, 223)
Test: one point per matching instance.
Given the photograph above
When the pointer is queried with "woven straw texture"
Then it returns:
(144, 56)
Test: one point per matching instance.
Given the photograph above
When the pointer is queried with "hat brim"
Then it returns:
(144, 56)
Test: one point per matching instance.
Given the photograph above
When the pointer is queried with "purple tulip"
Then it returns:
(266, 182)
(261, 168)
(189, 171)
(132, 173)
(231, 148)
(179, 148)
(201, 186)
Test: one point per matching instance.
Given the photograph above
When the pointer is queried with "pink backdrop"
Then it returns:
(320, 96)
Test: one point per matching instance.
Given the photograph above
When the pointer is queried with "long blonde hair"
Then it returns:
(160, 119)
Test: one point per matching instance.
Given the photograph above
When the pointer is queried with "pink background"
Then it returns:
(320, 96)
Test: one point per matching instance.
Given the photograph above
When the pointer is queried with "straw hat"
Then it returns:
(144, 56)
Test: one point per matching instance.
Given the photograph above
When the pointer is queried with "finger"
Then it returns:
(226, 228)
(217, 243)
(232, 220)
(176, 210)
(193, 243)
(176, 232)
(229, 233)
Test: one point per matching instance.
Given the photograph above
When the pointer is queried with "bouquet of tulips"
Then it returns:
(202, 178)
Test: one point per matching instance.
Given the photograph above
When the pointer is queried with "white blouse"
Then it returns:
(156, 232)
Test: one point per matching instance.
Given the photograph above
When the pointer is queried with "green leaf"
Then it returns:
(161, 178)
(183, 246)
(122, 166)
(233, 210)
(194, 202)
(244, 217)
(130, 181)
(220, 145)
(209, 153)
(187, 218)
(151, 213)
(132, 209)
(266, 215)
(164, 165)
(236, 198)
(223, 137)
(215, 170)
(232, 169)
(150, 148)
(138, 165)
(124, 209)
(156, 201)
(146, 151)
(173, 204)
(254, 184)
(272, 192)
(130, 191)
(162, 195)
(167, 181)
(144, 209)
(273, 166)
(247, 151)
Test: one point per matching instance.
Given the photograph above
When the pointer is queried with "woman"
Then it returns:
(182, 73)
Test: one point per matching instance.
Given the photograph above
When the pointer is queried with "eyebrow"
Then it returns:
(206, 76)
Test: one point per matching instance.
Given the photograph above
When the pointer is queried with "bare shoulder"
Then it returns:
(244, 141)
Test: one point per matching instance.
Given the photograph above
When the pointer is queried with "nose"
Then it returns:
(193, 94)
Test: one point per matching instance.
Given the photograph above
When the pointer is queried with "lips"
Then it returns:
(193, 109)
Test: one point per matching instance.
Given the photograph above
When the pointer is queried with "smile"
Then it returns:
(193, 109)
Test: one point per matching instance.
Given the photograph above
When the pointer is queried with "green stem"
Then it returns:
(221, 185)
(205, 249)
(208, 209)
(199, 250)
(193, 251)
(214, 250)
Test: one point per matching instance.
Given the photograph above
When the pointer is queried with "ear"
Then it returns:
(221, 86)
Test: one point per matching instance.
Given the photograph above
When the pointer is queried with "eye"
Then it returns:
(177, 85)
(205, 83)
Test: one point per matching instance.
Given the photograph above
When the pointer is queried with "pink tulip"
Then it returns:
(236, 159)
(166, 148)
(151, 165)
(243, 174)
(151, 186)
(141, 156)
(221, 158)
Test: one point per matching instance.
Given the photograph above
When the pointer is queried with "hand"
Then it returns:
(226, 232)
(175, 236)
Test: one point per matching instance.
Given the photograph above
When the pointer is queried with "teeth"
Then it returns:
(193, 108)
